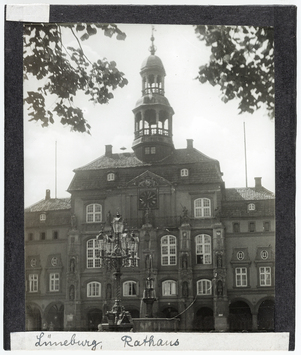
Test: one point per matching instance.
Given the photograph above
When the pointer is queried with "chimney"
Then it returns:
(109, 150)
(258, 185)
(189, 143)
(47, 197)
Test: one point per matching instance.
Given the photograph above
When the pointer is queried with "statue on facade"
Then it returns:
(71, 293)
(73, 222)
(184, 261)
(148, 262)
(147, 216)
(185, 218)
(219, 288)
(72, 265)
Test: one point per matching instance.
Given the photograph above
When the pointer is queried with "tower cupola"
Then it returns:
(153, 113)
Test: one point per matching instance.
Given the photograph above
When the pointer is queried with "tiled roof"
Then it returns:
(180, 156)
(127, 167)
(123, 160)
(52, 204)
(127, 160)
(248, 193)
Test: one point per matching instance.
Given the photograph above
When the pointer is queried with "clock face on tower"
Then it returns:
(148, 199)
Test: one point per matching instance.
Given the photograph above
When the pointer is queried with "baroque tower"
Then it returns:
(153, 113)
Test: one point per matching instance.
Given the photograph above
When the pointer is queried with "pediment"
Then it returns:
(147, 180)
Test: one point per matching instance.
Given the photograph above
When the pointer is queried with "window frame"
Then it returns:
(200, 211)
(234, 227)
(251, 230)
(266, 226)
(238, 272)
(251, 206)
(204, 291)
(153, 150)
(33, 283)
(95, 255)
(171, 257)
(202, 246)
(42, 235)
(111, 176)
(93, 213)
(132, 290)
(92, 293)
(263, 282)
(184, 172)
(172, 285)
(54, 282)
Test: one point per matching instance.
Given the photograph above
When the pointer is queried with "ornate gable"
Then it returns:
(148, 180)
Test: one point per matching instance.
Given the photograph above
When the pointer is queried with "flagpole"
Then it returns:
(245, 146)
(55, 169)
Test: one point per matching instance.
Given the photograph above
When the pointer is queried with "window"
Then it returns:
(33, 262)
(94, 213)
(169, 288)
(42, 235)
(204, 287)
(111, 177)
(93, 260)
(129, 288)
(184, 172)
(150, 150)
(251, 207)
(42, 217)
(266, 226)
(240, 255)
(54, 282)
(264, 254)
(203, 249)
(55, 234)
(236, 227)
(33, 283)
(202, 208)
(93, 289)
(252, 227)
(54, 261)
(30, 236)
(241, 276)
(265, 276)
(169, 250)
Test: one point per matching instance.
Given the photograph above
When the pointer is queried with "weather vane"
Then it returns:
(153, 48)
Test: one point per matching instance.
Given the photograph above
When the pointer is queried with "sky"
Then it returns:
(215, 127)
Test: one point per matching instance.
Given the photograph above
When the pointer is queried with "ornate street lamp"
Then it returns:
(118, 250)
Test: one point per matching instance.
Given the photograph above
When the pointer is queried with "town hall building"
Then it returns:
(210, 250)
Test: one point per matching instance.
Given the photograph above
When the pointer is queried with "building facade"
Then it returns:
(210, 250)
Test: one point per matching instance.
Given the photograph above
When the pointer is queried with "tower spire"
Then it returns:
(153, 48)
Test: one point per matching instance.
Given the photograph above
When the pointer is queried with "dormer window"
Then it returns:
(150, 150)
(43, 217)
(251, 207)
(111, 177)
(184, 172)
